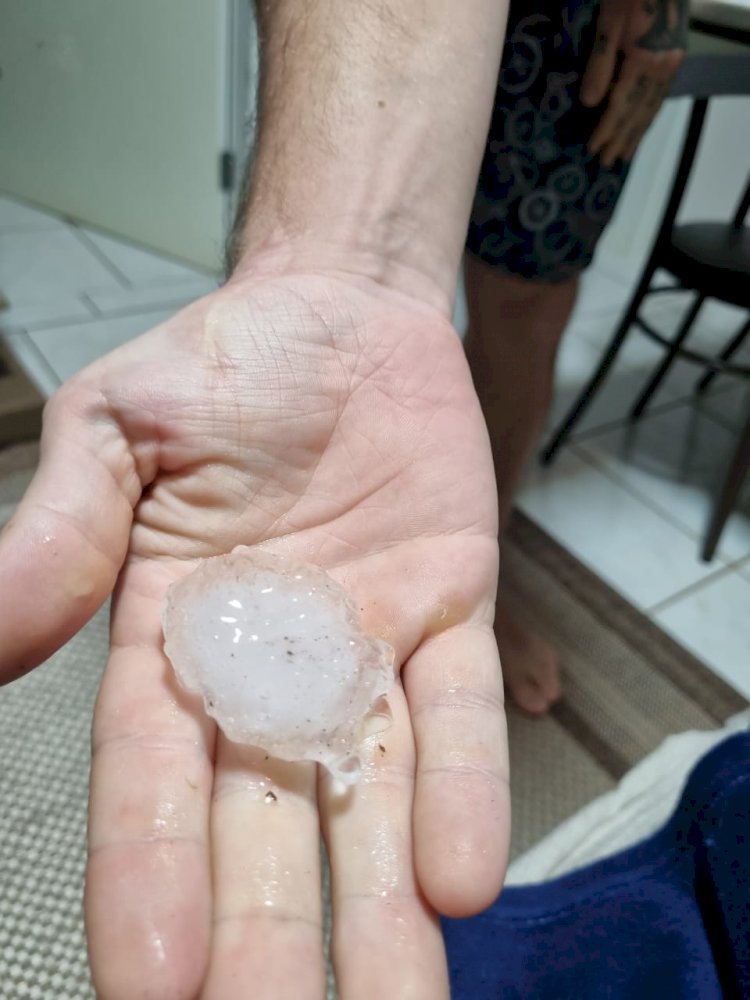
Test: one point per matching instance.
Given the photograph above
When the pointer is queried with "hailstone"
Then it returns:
(277, 652)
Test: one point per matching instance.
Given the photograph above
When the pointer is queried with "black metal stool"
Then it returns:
(711, 259)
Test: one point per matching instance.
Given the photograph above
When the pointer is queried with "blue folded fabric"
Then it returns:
(669, 918)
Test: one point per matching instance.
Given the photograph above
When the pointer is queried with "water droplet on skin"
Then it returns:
(269, 797)
(157, 948)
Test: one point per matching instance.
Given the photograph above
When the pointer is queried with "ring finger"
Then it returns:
(386, 938)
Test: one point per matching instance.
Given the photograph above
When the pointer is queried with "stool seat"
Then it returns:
(713, 255)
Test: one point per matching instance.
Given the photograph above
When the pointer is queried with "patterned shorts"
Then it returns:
(542, 199)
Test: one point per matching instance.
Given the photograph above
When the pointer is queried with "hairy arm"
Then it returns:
(373, 117)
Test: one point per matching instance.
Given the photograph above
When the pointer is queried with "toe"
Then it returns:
(529, 697)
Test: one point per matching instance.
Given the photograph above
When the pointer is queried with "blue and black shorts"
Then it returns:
(542, 199)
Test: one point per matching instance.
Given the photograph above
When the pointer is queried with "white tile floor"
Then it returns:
(631, 505)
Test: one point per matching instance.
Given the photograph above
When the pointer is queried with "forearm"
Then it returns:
(373, 116)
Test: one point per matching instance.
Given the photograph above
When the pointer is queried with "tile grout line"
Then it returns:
(39, 354)
(31, 228)
(197, 275)
(717, 418)
(92, 307)
(658, 410)
(615, 423)
(617, 278)
(586, 436)
(125, 311)
(103, 259)
(595, 313)
(174, 297)
(696, 400)
(133, 244)
(56, 324)
(738, 564)
(692, 588)
(636, 494)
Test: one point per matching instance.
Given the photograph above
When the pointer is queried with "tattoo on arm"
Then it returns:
(669, 21)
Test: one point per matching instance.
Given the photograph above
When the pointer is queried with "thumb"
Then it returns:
(61, 551)
(603, 60)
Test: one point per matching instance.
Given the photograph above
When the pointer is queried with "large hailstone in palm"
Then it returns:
(277, 651)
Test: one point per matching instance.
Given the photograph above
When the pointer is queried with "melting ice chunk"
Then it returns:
(277, 652)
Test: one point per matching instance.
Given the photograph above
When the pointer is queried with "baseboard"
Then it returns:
(21, 403)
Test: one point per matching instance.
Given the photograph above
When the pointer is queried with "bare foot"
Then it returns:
(530, 665)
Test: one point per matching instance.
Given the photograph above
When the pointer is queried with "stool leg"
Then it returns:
(661, 371)
(726, 355)
(728, 494)
(581, 403)
(583, 399)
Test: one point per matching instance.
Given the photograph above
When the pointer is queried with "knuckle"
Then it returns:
(468, 771)
(471, 700)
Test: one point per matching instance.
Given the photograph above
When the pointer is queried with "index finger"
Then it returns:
(603, 60)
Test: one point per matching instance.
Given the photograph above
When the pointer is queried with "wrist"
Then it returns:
(345, 255)
(373, 118)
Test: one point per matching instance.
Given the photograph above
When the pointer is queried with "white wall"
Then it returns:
(114, 113)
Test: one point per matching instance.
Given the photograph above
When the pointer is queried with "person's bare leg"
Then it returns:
(514, 331)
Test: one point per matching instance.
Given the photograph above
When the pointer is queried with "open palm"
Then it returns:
(329, 419)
